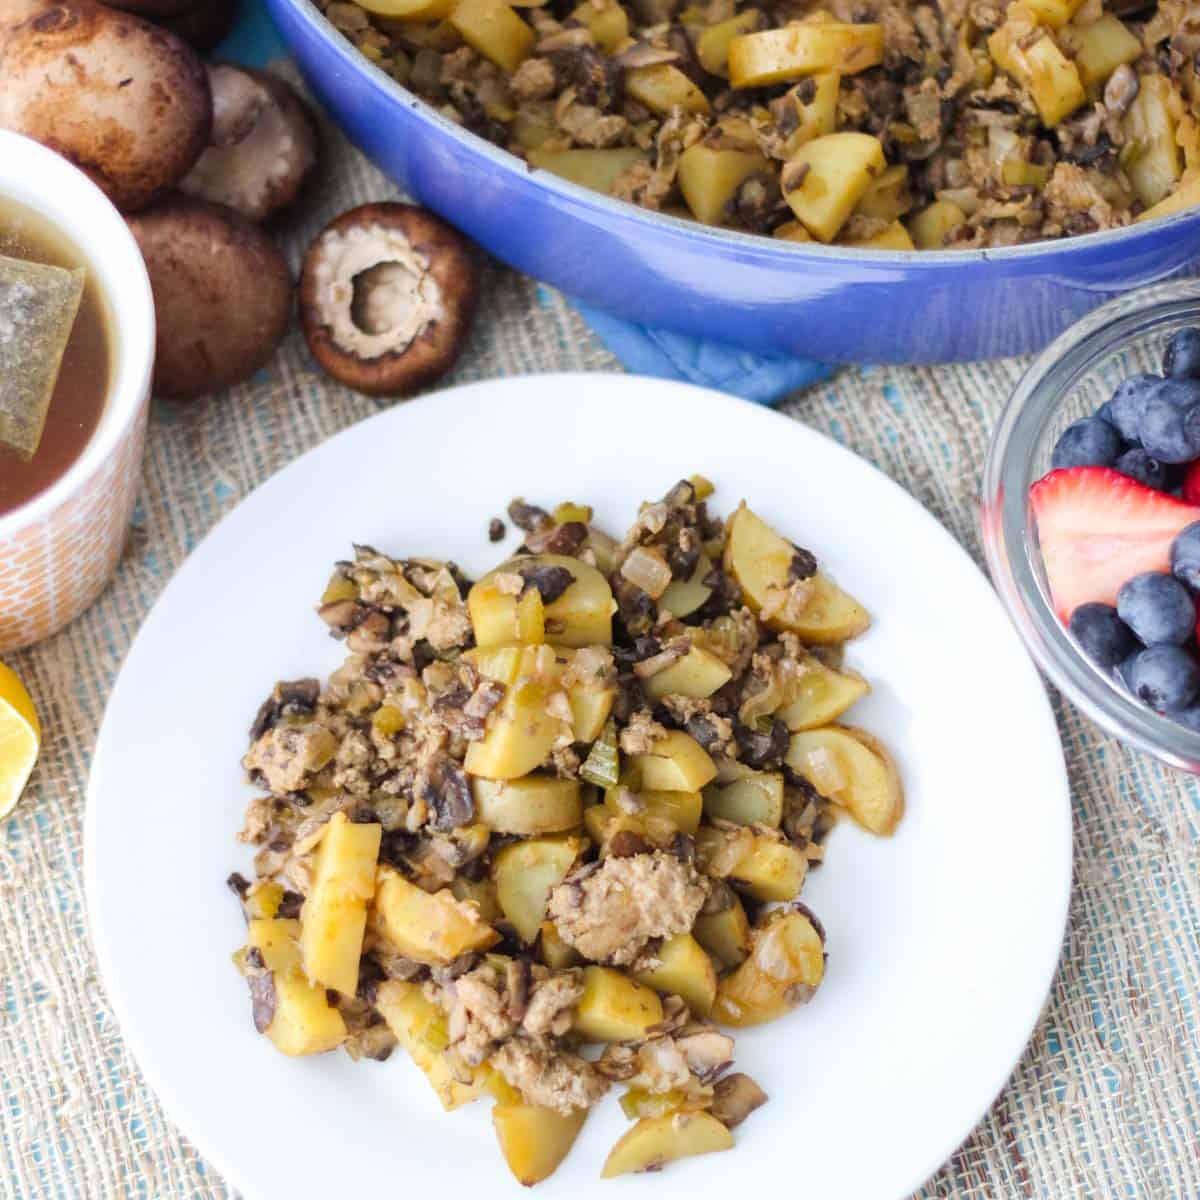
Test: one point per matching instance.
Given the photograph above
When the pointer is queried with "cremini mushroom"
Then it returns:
(222, 294)
(387, 294)
(263, 144)
(124, 100)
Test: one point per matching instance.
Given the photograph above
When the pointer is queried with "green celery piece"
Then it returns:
(603, 763)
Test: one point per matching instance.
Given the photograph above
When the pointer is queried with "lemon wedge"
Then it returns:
(20, 739)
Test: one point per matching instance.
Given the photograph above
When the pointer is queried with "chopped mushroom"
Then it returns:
(734, 1098)
(387, 295)
(263, 145)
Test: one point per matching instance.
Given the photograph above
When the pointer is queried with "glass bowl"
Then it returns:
(1070, 379)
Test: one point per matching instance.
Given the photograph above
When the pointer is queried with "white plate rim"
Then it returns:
(166, 1090)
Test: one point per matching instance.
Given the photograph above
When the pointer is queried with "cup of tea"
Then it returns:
(75, 380)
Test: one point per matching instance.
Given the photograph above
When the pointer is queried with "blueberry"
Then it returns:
(1088, 443)
(1162, 429)
(1182, 357)
(1185, 557)
(1164, 677)
(1105, 638)
(1158, 608)
(1183, 393)
(1137, 464)
(1125, 407)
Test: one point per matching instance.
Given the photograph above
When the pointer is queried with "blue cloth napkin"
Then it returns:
(764, 379)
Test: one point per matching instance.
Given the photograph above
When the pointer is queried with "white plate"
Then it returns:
(942, 940)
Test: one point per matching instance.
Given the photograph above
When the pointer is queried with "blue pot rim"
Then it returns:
(770, 249)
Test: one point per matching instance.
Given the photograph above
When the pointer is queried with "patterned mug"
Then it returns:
(59, 550)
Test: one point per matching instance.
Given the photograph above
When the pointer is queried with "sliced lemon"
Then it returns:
(20, 739)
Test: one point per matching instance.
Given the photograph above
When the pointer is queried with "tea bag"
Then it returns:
(38, 305)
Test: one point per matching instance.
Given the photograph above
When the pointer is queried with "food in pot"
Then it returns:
(125, 101)
(55, 354)
(546, 831)
(387, 296)
(872, 124)
(263, 144)
(1119, 528)
(222, 295)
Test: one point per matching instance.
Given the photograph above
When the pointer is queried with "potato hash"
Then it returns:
(547, 831)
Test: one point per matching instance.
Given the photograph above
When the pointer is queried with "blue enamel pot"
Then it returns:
(832, 303)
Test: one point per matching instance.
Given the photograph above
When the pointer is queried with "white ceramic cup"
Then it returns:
(59, 550)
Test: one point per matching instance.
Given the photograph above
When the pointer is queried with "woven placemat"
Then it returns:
(1104, 1102)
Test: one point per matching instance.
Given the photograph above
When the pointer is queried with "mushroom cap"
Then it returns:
(205, 24)
(222, 294)
(387, 295)
(263, 145)
(125, 101)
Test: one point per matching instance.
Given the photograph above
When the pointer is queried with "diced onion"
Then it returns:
(825, 771)
(646, 568)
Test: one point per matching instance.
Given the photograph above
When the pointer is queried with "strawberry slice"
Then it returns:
(1191, 484)
(1098, 528)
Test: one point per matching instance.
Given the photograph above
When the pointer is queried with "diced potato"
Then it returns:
(655, 1141)
(768, 869)
(1186, 196)
(1053, 14)
(871, 792)
(531, 619)
(1151, 157)
(637, 1102)
(520, 732)
(1052, 79)
(603, 824)
(785, 966)
(663, 87)
(675, 763)
(263, 899)
(334, 916)
(815, 100)
(759, 559)
(419, 1026)
(725, 935)
(591, 704)
(684, 596)
(609, 25)
(581, 616)
(493, 29)
(697, 674)
(712, 46)
(410, 10)
(614, 1008)
(754, 799)
(709, 179)
(534, 804)
(685, 970)
(304, 1021)
(792, 231)
(534, 1141)
(827, 177)
(934, 223)
(525, 872)
(595, 169)
(888, 198)
(894, 237)
(556, 953)
(821, 696)
(427, 35)
(777, 55)
(479, 892)
(429, 927)
(1099, 49)
(682, 809)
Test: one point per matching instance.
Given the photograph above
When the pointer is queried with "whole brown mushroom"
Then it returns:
(387, 295)
(222, 295)
(125, 101)
(263, 146)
